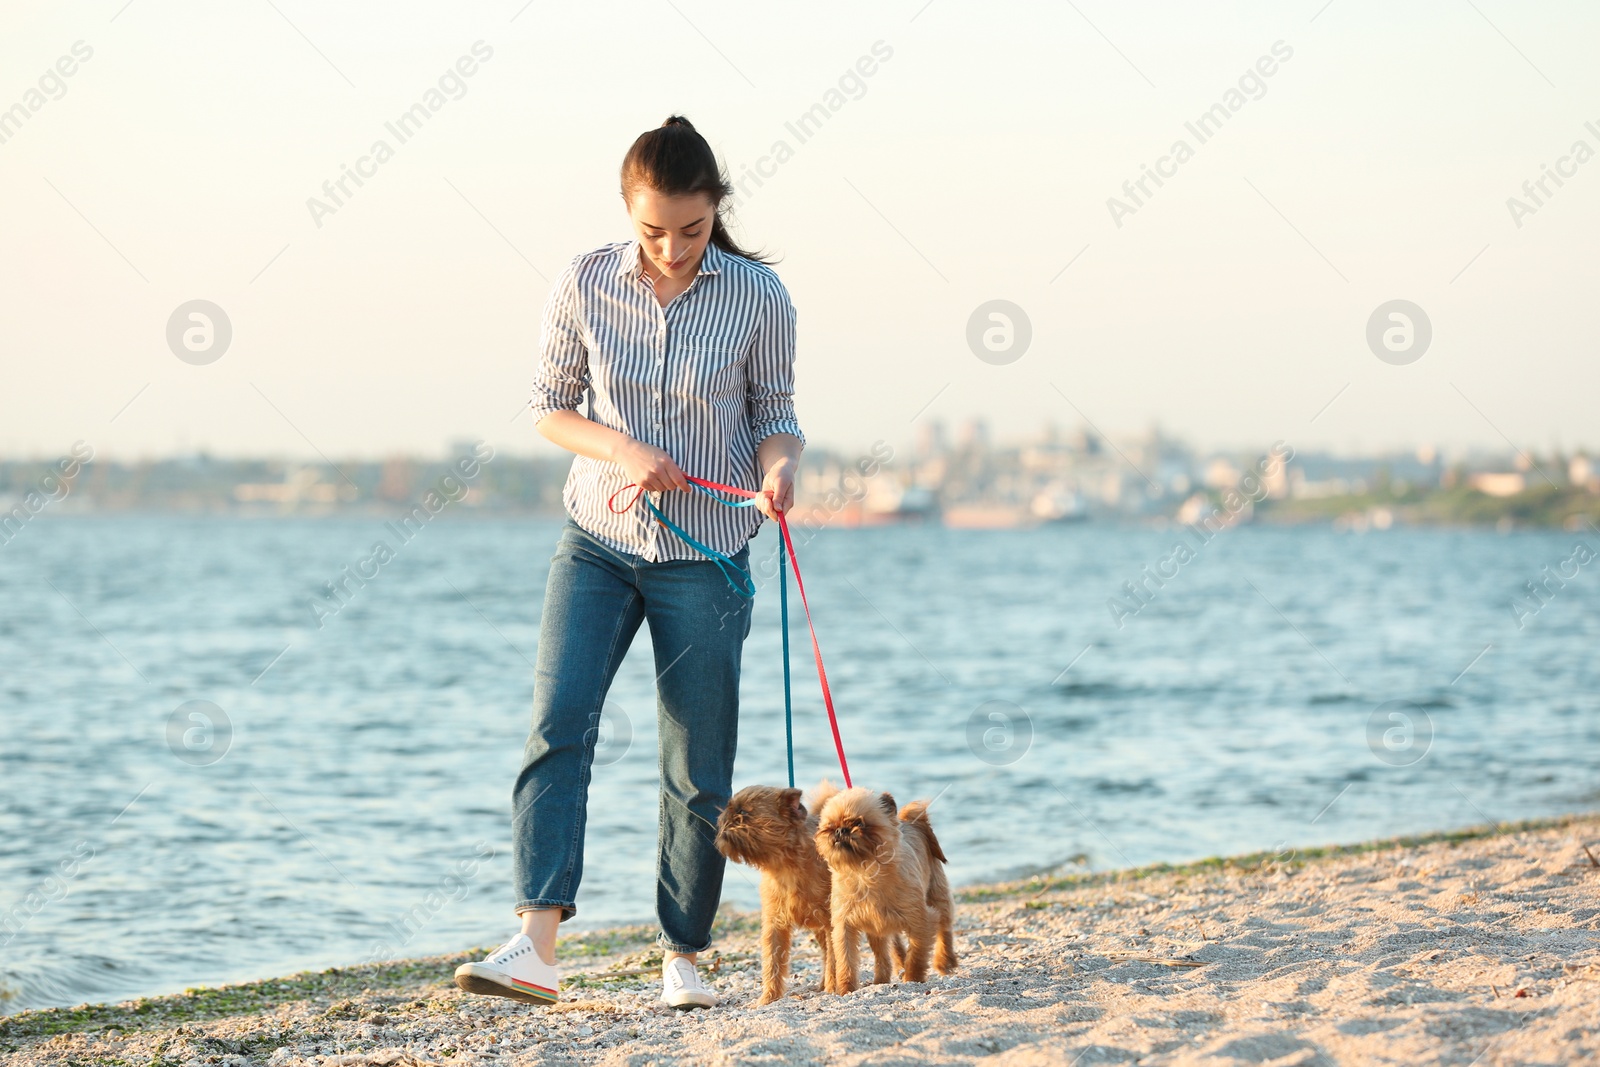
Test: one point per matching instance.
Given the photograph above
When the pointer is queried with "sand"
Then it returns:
(1474, 947)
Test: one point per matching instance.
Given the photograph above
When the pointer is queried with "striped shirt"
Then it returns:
(705, 379)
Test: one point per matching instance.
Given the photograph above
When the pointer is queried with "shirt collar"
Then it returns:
(631, 257)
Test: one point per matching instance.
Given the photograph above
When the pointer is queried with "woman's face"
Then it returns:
(672, 230)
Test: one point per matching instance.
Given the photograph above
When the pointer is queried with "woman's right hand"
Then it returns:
(651, 468)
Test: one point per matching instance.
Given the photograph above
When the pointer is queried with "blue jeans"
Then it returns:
(594, 602)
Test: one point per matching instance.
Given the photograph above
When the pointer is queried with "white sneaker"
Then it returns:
(681, 986)
(513, 970)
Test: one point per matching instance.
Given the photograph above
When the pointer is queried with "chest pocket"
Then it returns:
(708, 366)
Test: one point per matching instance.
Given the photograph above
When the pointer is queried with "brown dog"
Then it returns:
(770, 829)
(888, 879)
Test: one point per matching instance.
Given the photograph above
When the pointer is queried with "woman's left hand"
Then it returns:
(777, 489)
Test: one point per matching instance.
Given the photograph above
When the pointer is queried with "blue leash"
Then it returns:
(748, 589)
(725, 564)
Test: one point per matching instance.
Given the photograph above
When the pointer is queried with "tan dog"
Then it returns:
(770, 829)
(888, 879)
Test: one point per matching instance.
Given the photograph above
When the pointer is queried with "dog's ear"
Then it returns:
(790, 799)
(887, 800)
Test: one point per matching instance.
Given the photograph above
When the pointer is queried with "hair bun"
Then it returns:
(680, 164)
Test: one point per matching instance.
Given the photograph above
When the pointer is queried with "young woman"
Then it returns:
(684, 344)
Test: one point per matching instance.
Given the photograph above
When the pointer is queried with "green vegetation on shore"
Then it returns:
(1291, 859)
(1541, 504)
(333, 985)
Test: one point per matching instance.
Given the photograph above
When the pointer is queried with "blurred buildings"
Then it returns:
(965, 476)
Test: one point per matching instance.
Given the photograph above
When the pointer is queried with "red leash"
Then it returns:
(788, 545)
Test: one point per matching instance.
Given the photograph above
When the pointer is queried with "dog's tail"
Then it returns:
(915, 818)
(916, 813)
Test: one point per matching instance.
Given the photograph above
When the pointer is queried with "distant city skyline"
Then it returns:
(961, 476)
(999, 433)
(1354, 228)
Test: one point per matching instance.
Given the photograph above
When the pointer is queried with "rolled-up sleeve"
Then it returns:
(562, 373)
(769, 397)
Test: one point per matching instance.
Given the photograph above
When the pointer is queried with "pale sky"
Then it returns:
(973, 164)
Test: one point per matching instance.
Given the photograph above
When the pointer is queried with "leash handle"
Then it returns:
(785, 547)
(744, 584)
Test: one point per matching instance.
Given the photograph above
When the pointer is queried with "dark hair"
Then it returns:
(674, 160)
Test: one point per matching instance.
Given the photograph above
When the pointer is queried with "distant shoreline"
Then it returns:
(1356, 514)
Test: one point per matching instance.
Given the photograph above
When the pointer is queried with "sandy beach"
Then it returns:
(1477, 946)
